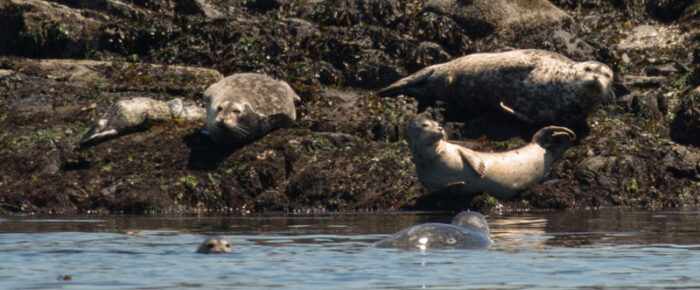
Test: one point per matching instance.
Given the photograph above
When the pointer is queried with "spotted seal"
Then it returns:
(215, 245)
(129, 115)
(244, 107)
(536, 86)
(440, 164)
(469, 230)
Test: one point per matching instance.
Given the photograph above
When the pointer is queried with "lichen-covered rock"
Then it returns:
(46, 29)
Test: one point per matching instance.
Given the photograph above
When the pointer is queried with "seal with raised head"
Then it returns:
(215, 245)
(244, 107)
(504, 175)
(536, 86)
(469, 230)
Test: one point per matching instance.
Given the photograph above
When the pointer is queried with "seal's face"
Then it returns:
(425, 131)
(555, 139)
(232, 122)
(215, 246)
(596, 79)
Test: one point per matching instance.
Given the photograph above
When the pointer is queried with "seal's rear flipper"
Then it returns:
(403, 84)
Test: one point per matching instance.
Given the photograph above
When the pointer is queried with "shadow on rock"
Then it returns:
(204, 153)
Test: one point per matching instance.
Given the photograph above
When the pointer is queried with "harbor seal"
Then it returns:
(440, 164)
(126, 116)
(536, 86)
(244, 107)
(215, 245)
(469, 230)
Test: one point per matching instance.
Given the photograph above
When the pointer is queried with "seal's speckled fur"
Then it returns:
(469, 230)
(244, 107)
(440, 164)
(537, 86)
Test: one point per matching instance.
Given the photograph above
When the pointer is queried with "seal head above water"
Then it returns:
(536, 86)
(215, 245)
(504, 175)
(469, 230)
(244, 107)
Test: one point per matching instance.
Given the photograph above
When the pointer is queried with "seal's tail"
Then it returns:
(401, 85)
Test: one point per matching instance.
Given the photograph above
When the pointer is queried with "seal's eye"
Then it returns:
(228, 245)
(219, 108)
(210, 246)
(587, 69)
(237, 111)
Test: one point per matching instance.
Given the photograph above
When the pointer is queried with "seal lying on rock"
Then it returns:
(244, 107)
(240, 108)
(215, 245)
(469, 230)
(536, 86)
(440, 164)
(130, 115)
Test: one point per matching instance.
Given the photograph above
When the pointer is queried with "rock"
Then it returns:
(568, 44)
(685, 127)
(508, 19)
(203, 7)
(653, 36)
(667, 10)
(681, 160)
(46, 29)
(352, 12)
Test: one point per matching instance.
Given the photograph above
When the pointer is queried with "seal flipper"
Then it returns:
(403, 84)
(510, 111)
(474, 161)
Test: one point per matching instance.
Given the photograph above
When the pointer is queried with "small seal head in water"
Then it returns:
(504, 175)
(215, 245)
(243, 107)
(469, 230)
(536, 86)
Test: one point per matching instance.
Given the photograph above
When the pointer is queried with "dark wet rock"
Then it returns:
(443, 30)
(46, 29)
(112, 8)
(352, 12)
(571, 46)
(203, 7)
(428, 53)
(504, 18)
(667, 10)
(685, 128)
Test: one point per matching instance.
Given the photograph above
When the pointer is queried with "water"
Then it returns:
(537, 250)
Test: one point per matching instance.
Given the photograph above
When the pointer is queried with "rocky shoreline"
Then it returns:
(64, 62)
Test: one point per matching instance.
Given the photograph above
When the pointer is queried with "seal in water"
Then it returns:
(134, 114)
(244, 107)
(215, 245)
(469, 230)
(536, 86)
(440, 164)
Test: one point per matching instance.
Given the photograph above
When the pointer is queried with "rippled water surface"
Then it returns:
(539, 250)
